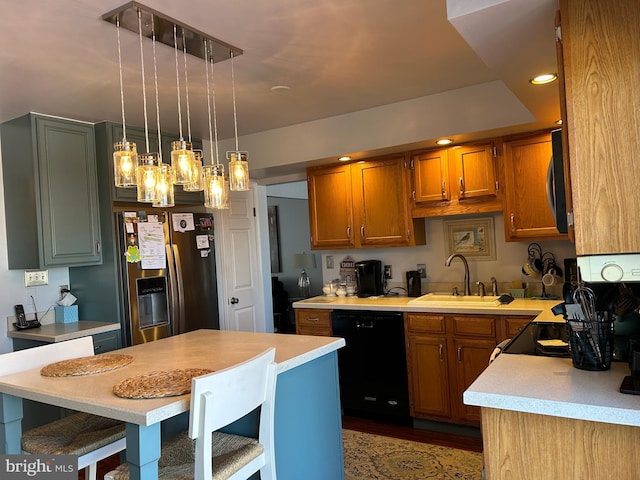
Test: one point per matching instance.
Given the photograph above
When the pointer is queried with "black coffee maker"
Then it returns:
(414, 286)
(369, 278)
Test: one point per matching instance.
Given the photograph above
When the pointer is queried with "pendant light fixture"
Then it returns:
(125, 154)
(181, 150)
(148, 163)
(238, 161)
(216, 192)
(164, 191)
(195, 176)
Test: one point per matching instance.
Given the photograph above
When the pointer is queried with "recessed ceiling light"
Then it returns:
(444, 141)
(543, 79)
(280, 88)
(344, 158)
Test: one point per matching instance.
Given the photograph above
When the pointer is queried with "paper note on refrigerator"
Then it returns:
(151, 243)
(183, 222)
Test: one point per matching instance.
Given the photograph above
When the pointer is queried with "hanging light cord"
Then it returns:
(175, 49)
(233, 91)
(144, 91)
(206, 72)
(155, 79)
(124, 128)
(215, 117)
(186, 84)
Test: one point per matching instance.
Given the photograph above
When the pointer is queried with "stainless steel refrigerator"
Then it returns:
(167, 273)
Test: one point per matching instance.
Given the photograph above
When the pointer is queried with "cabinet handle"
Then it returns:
(413, 195)
(312, 319)
(512, 219)
(444, 192)
(362, 231)
(408, 234)
(349, 232)
(440, 349)
(461, 187)
(459, 354)
(98, 247)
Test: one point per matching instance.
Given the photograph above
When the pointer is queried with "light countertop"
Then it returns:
(552, 386)
(59, 332)
(519, 306)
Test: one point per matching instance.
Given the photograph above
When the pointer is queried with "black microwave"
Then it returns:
(556, 195)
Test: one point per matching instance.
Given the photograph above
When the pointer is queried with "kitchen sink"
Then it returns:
(449, 300)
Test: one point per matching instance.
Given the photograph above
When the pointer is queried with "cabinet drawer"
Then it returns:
(514, 325)
(313, 318)
(321, 332)
(106, 342)
(483, 326)
(425, 323)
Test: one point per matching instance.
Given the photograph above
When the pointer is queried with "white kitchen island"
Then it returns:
(308, 439)
(542, 418)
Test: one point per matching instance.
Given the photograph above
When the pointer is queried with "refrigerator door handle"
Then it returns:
(173, 288)
(179, 281)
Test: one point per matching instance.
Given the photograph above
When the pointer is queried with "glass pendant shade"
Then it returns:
(238, 171)
(125, 161)
(196, 175)
(164, 187)
(215, 191)
(147, 176)
(182, 158)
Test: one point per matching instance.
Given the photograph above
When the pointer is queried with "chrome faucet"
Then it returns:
(494, 286)
(466, 286)
(480, 289)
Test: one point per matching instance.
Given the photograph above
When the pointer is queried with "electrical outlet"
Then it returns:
(62, 289)
(387, 272)
(34, 278)
(422, 268)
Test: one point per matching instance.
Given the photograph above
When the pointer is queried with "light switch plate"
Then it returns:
(33, 278)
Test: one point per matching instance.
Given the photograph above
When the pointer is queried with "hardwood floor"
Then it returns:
(406, 432)
(464, 442)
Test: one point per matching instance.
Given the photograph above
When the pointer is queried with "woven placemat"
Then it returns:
(159, 384)
(86, 365)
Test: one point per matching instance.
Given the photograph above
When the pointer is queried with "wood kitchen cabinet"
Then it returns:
(362, 205)
(445, 354)
(455, 181)
(527, 215)
(311, 321)
(50, 183)
(601, 54)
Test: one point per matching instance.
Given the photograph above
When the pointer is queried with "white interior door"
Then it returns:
(241, 297)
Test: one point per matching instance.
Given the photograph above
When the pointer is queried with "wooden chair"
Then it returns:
(218, 399)
(91, 437)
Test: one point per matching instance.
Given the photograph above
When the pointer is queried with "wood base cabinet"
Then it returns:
(445, 354)
(311, 321)
(362, 205)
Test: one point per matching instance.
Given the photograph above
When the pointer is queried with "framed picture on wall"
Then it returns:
(472, 238)
(274, 238)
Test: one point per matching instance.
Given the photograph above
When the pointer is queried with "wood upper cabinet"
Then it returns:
(362, 205)
(601, 53)
(431, 176)
(331, 207)
(455, 181)
(527, 215)
(50, 182)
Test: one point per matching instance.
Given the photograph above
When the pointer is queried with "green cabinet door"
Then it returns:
(51, 193)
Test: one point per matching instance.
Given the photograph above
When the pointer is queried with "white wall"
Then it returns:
(13, 291)
(506, 268)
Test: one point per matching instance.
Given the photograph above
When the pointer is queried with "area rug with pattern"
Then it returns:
(374, 457)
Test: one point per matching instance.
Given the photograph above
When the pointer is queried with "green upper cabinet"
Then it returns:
(109, 133)
(50, 193)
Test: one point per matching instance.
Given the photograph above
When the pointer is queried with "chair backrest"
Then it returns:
(221, 397)
(21, 360)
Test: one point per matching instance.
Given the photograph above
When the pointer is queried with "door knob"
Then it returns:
(233, 300)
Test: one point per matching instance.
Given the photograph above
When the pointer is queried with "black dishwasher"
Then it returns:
(372, 365)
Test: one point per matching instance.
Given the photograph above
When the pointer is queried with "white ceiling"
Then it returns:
(337, 56)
